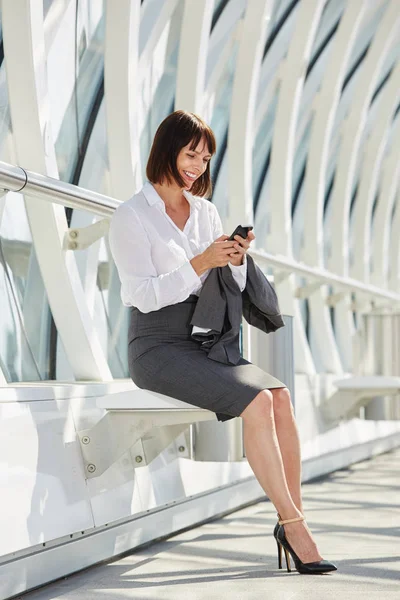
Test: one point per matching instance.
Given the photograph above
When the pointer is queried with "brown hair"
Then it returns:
(176, 131)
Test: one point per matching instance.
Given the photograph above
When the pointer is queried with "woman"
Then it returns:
(164, 241)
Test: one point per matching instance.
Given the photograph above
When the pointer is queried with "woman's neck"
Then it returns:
(172, 195)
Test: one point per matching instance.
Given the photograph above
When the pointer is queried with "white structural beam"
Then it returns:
(369, 176)
(243, 104)
(394, 280)
(121, 88)
(351, 136)
(192, 59)
(325, 107)
(223, 37)
(279, 240)
(283, 142)
(23, 35)
(383, 216)
(3, 380)
(164, 16)
(241, 123)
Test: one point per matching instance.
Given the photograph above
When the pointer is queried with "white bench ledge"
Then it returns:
(142, 422)
(144, 400)
(368, 382)
(354, 392)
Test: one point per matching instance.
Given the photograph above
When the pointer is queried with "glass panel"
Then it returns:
(75, 81)
(25, 315)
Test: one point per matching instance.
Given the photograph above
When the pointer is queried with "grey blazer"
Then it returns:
(221, 305)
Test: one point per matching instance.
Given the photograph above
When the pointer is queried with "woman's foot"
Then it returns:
(299, 537)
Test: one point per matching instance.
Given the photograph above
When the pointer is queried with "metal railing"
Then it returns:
(17, 179)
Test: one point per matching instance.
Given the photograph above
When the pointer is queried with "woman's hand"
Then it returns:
(218, 254)
(241, 246)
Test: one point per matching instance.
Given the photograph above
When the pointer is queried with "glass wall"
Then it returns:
(75, 50)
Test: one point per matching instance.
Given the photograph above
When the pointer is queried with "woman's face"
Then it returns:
(191, 164)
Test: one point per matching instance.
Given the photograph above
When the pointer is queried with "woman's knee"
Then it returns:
(282, 402)
(261, 407)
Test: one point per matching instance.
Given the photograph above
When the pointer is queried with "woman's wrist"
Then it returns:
(199, 265)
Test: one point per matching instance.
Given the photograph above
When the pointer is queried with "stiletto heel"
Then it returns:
(312, 568)
(287, 556)
(279, 554)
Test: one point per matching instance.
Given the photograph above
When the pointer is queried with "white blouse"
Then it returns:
(152, 254)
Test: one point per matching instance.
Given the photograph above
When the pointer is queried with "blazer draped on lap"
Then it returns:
(221, 305)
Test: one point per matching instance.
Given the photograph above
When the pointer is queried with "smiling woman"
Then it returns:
(165, 240)
(180, 154)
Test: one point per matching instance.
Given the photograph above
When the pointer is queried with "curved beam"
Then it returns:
(3, 380)
(192, 59)
(23, 35)
(352, 135)
(325, 107)
(283, 142)
(369, 176)
(383, 216)
(241, 119)
(279, 239)
(121, 88)
(394, 281)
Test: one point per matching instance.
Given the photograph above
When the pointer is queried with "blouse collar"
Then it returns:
(152, 197)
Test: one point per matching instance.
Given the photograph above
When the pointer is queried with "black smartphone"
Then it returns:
(241, 230)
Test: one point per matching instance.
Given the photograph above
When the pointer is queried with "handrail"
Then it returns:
(324, 277)
(17, 179)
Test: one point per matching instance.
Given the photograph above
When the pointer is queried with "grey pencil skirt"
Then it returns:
(164, 358)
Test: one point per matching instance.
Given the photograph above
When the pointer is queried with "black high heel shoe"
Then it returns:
(277, 543)
(312, 568)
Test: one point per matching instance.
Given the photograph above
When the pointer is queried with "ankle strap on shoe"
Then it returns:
(291, 520)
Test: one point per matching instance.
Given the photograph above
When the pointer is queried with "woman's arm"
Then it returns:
(143, 288)
(239, 272)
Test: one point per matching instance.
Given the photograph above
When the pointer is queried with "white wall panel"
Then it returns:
(43, 490)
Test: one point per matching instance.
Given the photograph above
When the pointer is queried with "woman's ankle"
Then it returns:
(293, 513)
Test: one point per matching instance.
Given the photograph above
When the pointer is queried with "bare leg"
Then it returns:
(289, 442)
(265, 458)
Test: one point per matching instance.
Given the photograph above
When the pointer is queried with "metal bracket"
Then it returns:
(359, 305)
(160, 438)
(80, 238)
(146, 432)
(334, 299)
